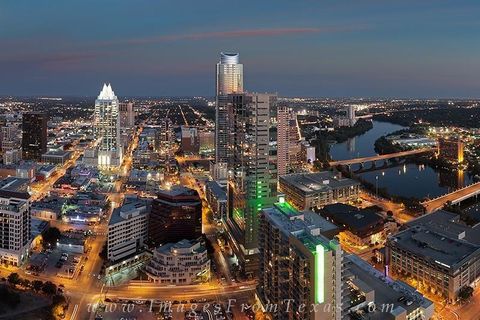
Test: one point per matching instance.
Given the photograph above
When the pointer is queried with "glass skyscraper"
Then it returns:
(107, 128)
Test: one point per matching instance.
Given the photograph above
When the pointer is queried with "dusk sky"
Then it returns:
(426, 48)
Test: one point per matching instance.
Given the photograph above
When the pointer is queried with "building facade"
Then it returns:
(299, 266)
(184, 262)
(176, 215)
(252, 185)
(107, 128)
(34, 135)
(451, 150)
(15, 238)
(127, 229)
(229, 79)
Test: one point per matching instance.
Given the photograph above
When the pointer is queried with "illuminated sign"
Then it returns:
(319, 274)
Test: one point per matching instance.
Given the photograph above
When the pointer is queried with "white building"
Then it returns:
(127, 229)
(12, 156)
(184, 262)
(15, 237)
(107, 128)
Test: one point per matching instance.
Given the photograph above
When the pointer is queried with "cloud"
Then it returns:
(247, 33)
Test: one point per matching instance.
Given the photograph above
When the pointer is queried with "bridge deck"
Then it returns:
(382, 157)
(455, 196)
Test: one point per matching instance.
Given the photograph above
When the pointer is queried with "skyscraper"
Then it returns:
(288, 140)
(107, 128)
(229, 79)
(252, 185)
(34, 135)
(299, 265)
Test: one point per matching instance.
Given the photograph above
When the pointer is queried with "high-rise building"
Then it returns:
(190, 142)
(127, 115)
(176, 215)
(107, 128)
(127, 122)
(15, 237)
(288, 140)
(451, 149)
(229, 79)
(300, 268)
(127, 229)
(34, 135)
(252, 185)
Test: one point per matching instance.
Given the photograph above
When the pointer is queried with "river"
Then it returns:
(406, 180)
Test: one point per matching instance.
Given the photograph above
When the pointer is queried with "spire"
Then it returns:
(106, 93)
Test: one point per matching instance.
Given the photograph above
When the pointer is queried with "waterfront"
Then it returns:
(405, 180)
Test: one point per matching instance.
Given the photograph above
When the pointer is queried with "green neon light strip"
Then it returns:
(319, 274)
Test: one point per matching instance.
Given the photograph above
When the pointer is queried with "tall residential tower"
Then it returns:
(229, 79)
(252, 184)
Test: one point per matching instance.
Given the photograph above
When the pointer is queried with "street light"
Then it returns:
(376, 186)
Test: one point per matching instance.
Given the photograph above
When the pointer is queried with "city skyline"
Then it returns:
(403, 50)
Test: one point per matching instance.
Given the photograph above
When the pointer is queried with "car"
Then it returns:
(408, 302)
(401, 298)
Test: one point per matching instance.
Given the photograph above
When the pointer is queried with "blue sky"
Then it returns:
(368, 48)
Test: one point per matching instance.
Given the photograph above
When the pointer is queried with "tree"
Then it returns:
(37, 285)
(26, 283)
(14, 278)
(49, 288)
(465, 293)
(51, 235)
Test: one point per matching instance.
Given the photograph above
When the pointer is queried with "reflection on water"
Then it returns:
(419, 181)
(407, 180)
(363, 145)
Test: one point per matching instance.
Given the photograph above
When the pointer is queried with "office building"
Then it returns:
(438, 252)
(58, 157)
(315, 190)
(176, 215)
(10, 139)
(127, 229)
(15, 238)
(185, 262)
(190, 142)
(34, 135)
(13, 156)
(451, 150)
(299, 265)
(127, 115)
(373, 296)
(253, 166)
(229, 79)
(107, 128)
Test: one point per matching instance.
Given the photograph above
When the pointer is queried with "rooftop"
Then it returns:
(435, 247)
(361, 222)
(386, 290)
(310, 183)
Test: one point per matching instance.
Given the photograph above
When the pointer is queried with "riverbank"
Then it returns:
(323, 140)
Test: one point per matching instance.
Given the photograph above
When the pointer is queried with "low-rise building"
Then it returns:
(56, 156)
(359, 227)
(216, 196)
(374, 296)
(127, 229)
(184, 262)
(315, 190)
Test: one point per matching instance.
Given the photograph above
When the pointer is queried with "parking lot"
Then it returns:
(56, 262)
